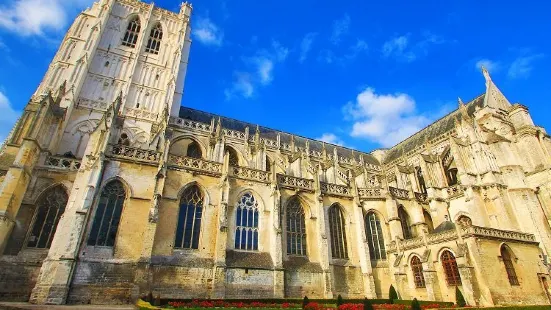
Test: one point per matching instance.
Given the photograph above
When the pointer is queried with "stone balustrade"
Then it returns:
(141, 114)
(412, 243)
(335, 189)
(186, 123)
(234, 134)
(421, 197)
(64, 163)
(295, 182)
(370, 193)
(398, 193)
(454, 191)
(493, 233)
(250, 174)
(269, 143)
(442, 236)
(133, 153)
(195, 164)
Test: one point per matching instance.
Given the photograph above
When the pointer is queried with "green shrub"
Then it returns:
(305, 301)
(367, 304)
(339, 300)
(392, 294)
(415, 304)
(459, 299)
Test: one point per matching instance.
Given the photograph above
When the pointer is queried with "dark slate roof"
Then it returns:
(446, 225)
(302, 264)
(434, 130)
(253, 260)
(265, 132)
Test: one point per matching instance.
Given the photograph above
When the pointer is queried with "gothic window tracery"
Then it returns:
(108, 215)
(132, 31)
(420, 180)
(509, 267)
(450, 169)
(49, 209)
(154, 41)
(296, 228)
(189, 219)
(268, 164)
(233, 159)
(194, 150)
(338, 233)
(375, 238)
(404, 222)
(450, 268)
(246, 223)
(417, 270)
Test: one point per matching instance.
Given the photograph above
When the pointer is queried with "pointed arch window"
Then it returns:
(49, 209)
(233, 159)
(428, 221)
(450, 169)
(338, 233)
(417, 269)
(132, 31)
(509, 267)
(189, 219)
(194, 150)
(246, 223)
(155, 38)
(108, 215)
(404, 222)
(268, 164)
(124, 139)
(450, 268)
(296, 228)
(420, 180)
(374, 235)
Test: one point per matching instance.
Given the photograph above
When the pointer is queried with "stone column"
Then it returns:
(219, 269)
(431, 284)
(363, 252)
(277, 241)
(325, 249)
(466, 283)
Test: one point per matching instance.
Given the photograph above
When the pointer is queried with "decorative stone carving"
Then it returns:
(250, 174)
(57, 162)
(493, 233)
(195, 164)
(421, 197)
(185, 123)
(398, 193)
(295, 182)
(133, 153)
(370, 193)
(335, 189)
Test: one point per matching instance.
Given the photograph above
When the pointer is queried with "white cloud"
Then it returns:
(38, 17)
(397, 47)
(491, 66)
(402, 48)
(306, 45)
(385, 118)
(8, 117)
(328, 56)
(522, 66)
(207, 32)
(340, 28)
(331, 138)
(259, 71)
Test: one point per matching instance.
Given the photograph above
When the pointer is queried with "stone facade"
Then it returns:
(109, 190)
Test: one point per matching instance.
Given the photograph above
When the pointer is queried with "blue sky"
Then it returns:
(360, 73)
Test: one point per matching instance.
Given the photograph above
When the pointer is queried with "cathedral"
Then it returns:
(110, 190)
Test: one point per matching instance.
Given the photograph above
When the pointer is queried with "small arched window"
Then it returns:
(450, 169)
(420, 180)
(296, 228)
(509, 267)
(417, 269)
(155, 38)
(132, 31)
(268, 164)
(233, 159)
(108, 215)
(189, 219)
(450, 268)
(246, 223)
(338, 233)
(374, 235)
(465, 221)
(49, 209)
(404, 222)
(428, 221)
(194, 150)
(124, 140)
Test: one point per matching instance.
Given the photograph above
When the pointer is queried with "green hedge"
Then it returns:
(541, 307)
(319, 301)
(424, 302)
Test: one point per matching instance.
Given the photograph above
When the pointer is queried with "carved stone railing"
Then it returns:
(398, 193)
(250, 174)
(335, 189)
(141, 114)
(195, 164)
(234, 134)
(493, 233)
(186, 123)
(92, 104)
(64, 163)
(454, 191)
(412, 243)
(391, 247)
(133, 153)
(294, 182)
(442, 236)
(421, 197)
(269, 143)
(370, 193)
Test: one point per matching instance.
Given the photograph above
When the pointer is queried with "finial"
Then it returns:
(460, 102)
(486, 74)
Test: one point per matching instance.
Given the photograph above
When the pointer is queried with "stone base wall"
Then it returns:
(17, 278)
(179, 282)
(347, 281)
(249, 283)
(300, 283)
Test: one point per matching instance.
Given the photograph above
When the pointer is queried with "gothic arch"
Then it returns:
(127, 187)
(379, 214)
(411, 255)
(64, 184)
(303, 202)
(508, 248)
(348, 216)
(85, 125)
(192, 138)
(442, 250)
(200, 186)
(240, 157)
(235, 198)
